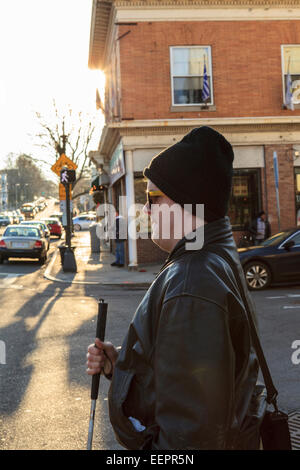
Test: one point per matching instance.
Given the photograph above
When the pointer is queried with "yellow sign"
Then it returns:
(62, 192)
(61, 162)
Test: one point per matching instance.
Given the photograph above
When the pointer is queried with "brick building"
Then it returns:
(173, 65)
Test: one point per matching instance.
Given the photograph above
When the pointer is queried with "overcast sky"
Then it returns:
(43, 55)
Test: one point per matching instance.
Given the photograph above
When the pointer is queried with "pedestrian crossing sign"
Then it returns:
(61, 162)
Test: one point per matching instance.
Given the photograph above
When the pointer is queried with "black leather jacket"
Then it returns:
(187, 369)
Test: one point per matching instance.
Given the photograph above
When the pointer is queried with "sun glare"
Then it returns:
(45, 58)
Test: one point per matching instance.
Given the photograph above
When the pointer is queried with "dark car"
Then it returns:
(276, 260)
(23, 241)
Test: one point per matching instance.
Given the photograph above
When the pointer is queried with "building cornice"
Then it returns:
(106, 13)
(242, 131)
(206, 3)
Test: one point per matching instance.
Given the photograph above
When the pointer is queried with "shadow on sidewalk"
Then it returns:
(21, 342)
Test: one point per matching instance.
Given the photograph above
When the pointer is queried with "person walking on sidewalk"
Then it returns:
(120, 241)
(185, 377)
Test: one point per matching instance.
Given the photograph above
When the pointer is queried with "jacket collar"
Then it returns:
(214, 232)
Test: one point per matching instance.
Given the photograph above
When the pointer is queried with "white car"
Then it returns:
(83, 222)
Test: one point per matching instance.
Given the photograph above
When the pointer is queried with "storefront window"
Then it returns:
(245, 196)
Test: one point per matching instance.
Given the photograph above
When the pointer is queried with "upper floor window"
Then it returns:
(191, 75)
(290, 55)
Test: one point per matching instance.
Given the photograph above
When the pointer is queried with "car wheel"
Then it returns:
(258, 275)
(77, 227)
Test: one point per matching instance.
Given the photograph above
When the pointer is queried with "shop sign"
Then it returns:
(298, 182)
(117, 164)
(240, 186)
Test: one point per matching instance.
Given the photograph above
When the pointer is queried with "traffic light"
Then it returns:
(67, 176)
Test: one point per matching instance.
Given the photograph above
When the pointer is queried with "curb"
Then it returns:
(127, 285)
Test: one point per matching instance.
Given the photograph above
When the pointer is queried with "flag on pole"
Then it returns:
(205, 89)
(288, 92)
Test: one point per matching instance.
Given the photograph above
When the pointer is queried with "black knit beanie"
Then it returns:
(196, 170)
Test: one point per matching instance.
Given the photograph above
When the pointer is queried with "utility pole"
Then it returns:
(66, 178)
(68, 210)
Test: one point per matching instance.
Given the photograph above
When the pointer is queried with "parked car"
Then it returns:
(57, 215)
(276, 260)
(23, 241)
(55, 226)
(83, 222)
(5, 220)
(42, 226)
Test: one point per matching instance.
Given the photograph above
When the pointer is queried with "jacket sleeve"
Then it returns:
(194, 375)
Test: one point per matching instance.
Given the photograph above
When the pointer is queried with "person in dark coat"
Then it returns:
(260, 228)
(186, 374)
(120, 241)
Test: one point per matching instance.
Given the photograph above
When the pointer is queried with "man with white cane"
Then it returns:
(185, 377)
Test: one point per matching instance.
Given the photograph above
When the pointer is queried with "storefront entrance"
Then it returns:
(245, 197)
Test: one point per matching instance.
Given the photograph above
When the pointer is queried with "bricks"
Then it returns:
(246, 64)
(148, 252)
(286, 187)
(247, 82)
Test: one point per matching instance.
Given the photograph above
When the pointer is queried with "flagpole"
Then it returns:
(288, 89)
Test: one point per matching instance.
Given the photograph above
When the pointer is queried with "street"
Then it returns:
(46, 328)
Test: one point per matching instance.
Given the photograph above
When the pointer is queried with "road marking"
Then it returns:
(277, 297)
(284, 296)
(291, 306)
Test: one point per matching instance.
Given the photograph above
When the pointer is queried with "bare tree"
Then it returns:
(70, 133)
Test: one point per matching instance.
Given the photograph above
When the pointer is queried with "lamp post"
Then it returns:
(16, 195)
(26, 191)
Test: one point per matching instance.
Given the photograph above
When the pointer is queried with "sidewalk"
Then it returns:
(95, 268)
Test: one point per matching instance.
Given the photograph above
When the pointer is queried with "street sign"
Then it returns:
(63, 209)
(276, 175)
(61, 162)
(62, 192)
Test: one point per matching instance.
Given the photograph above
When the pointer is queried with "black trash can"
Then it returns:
(95, 240)
(62, 249)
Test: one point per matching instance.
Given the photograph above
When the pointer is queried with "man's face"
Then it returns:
(263, 217)
(166, 219)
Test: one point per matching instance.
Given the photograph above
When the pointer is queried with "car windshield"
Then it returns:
(39, 224)
(21, 231)
(276, 239)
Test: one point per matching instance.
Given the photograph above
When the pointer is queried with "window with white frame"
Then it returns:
(290, 56)
(191, 75)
